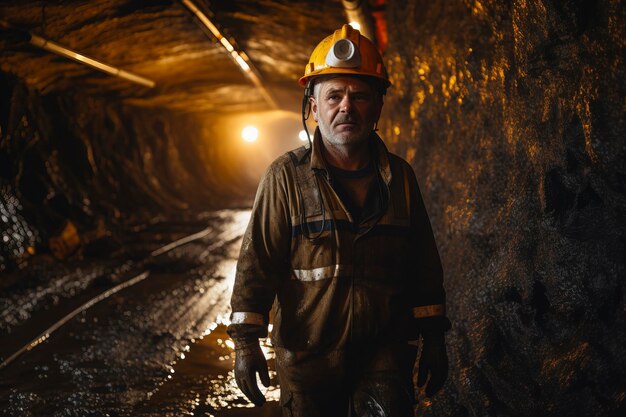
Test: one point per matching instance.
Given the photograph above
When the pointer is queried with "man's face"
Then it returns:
(345, 109)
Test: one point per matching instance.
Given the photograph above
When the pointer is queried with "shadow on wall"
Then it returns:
(512, 115)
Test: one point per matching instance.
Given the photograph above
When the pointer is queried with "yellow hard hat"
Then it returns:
(346, 52)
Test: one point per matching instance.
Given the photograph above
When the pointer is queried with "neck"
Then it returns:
(350, 158)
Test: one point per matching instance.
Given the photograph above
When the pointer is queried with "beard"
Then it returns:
(356, 134)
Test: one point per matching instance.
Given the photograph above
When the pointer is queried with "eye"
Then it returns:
(361, 96)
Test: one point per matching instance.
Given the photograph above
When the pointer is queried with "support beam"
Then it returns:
(358, 11)
(239, 57)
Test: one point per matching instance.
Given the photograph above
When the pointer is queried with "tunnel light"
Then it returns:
(250, 134)
(229, 47)
(240, 61)
(355, 25)
(302, 136)
(359, 17)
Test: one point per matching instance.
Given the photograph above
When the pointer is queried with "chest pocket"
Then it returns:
(312, 213)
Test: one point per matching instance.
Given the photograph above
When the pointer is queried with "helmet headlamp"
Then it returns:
(343, 54)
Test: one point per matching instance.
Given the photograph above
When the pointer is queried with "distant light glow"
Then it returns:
(302, 135)
(250, 133)
(355, 25)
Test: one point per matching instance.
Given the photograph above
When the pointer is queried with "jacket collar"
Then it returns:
(379, 151)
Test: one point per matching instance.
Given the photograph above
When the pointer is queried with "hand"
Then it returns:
(433, 361)
(249, 360)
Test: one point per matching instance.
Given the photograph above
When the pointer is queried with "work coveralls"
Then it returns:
(347, 296)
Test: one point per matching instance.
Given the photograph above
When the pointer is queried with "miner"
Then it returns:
(340, 248)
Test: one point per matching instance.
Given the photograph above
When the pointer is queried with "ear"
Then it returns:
(313, 107)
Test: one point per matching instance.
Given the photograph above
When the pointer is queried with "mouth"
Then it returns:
(346, 127)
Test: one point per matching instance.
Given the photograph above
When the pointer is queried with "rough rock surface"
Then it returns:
(100, 165)
(512, 114)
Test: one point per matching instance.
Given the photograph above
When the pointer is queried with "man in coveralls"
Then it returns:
(341, 246)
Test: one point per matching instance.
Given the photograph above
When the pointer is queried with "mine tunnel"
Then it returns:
(133, 135)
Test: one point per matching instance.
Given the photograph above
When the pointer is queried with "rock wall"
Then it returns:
(512, 114)
(77, 164)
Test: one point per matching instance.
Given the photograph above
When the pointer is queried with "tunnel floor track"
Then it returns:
(113, 354)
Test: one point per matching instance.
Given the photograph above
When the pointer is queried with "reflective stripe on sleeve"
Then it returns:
(317, 274)
(244, 317)
(429, 311)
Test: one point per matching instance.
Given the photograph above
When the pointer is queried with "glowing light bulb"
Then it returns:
(250, 133)
(355, 25)
(302, 136)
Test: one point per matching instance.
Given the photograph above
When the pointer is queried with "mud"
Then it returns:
(157, 348)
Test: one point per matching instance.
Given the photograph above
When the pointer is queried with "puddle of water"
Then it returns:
(202, 382)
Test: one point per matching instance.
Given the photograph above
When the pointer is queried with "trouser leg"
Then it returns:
(384, 394)
(379, 384)
(313, 386)
(384, 386)
(298, 404)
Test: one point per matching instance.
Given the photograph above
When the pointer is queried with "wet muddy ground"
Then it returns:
(154, 348)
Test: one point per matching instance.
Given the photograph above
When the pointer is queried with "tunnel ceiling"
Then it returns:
(163, 41)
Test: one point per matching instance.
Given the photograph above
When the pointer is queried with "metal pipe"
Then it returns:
(93, 63)
(357, 11)
(240, 58)
(18, 35)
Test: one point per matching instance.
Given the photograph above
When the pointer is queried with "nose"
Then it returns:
(346, 104)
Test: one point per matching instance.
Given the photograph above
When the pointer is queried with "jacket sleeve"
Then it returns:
(264, 256)
(429, 297)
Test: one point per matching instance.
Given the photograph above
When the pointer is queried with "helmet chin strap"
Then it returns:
(384, 91)
(306, 113)
(306, 109)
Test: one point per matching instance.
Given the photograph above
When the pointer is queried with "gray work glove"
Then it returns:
(249, 360)
(433, 361)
